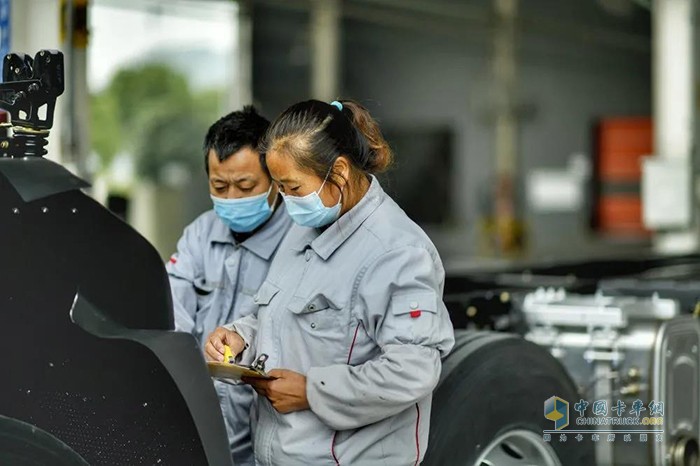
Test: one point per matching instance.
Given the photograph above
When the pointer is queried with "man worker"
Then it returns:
(224, 255)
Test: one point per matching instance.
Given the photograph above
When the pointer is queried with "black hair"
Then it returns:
(315, 133)
(233, 132)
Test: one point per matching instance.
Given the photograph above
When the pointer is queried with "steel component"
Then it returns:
(684, 452)
(677, 382)
(28, 93)
(626, 348)
(518, 447)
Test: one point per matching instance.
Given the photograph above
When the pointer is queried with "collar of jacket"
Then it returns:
(262, 243)
(325, 242)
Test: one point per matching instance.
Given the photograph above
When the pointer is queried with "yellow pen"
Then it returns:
(228, 355)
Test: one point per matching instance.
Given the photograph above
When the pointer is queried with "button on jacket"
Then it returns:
(213, 280)
(358, 309)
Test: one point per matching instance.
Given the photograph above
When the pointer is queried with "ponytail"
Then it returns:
(381, 155)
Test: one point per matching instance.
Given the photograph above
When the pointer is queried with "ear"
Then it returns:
(341, 169)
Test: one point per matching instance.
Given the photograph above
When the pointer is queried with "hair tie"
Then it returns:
(337, 105)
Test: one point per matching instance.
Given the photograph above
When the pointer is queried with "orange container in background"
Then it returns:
(621, 144)
(620, 214)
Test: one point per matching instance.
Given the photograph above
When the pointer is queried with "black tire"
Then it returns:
(23, 444)
(493, 383)
(463, 338)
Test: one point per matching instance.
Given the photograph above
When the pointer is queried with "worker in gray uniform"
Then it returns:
(351, 312)
(224, 255)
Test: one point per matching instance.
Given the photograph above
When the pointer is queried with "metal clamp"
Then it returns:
(259, 364)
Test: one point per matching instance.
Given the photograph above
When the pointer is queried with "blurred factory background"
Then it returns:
(549, 149)
(523, 130)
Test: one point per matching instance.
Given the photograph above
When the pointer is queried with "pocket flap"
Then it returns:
(425, 301)
(265, 293)
(316, 303)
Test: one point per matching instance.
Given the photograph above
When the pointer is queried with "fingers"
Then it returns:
(211, 353)
(214, 349)
(217, 339)
(274, 391)
(282, 408)
(286, 392)
(258, 385)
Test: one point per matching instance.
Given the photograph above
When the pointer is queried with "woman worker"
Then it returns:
(351, 309)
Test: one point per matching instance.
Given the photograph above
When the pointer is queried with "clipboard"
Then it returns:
(232, 371)
(225, 370)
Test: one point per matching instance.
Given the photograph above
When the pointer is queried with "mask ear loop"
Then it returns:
(326, 179)
(273, 206)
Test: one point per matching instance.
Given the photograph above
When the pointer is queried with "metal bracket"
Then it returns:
(259, 364)
(28, 93)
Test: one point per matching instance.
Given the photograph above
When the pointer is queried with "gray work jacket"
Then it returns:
(213, 280)
(357, 308)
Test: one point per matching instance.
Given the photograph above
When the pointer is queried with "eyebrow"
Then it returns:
(235, 180)
(286, 180)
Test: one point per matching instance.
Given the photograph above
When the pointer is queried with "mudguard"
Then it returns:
(116, 385)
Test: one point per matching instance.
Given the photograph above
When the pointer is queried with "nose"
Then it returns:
(230, 193)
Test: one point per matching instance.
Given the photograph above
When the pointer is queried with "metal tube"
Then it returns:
(325, 40)
(674, 43)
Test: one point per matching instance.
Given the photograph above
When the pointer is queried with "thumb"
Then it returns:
(218, 342)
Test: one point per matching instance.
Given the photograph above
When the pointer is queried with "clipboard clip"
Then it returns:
(259, 364)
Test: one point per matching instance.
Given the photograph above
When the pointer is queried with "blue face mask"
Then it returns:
(309, 210)
(245, 214)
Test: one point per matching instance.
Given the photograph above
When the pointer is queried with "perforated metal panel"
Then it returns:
(113, 401)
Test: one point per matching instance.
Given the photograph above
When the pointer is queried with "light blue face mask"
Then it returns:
(309, 211)
(245, 214)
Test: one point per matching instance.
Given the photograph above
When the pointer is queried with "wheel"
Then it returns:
(488, 408)
(23, 444)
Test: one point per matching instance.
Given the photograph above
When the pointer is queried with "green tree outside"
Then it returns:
(150, 112)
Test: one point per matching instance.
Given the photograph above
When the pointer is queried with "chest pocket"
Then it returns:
(318, 315)
(245, 302)
(265, 293)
